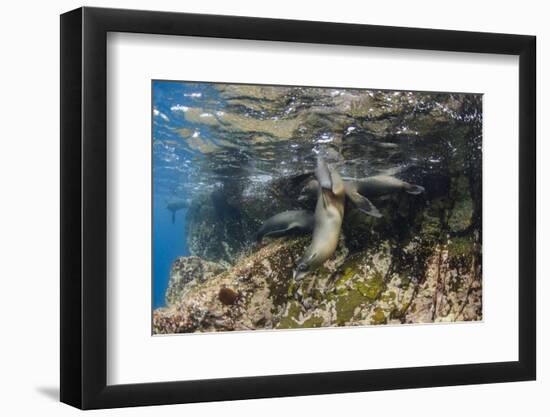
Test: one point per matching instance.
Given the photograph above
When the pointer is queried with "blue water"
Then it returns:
(168, 244)
(168, 184)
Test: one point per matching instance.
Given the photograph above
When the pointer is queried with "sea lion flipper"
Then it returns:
(322, 174)
(414, 189)
(281, 232)
(173, 216)
(362, 203)
(325, 199)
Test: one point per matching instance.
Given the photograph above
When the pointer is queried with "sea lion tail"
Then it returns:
(360, 201)
(415, 189)
(259, 235)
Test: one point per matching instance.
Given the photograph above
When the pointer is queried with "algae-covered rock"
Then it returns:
(369, 287)
(186, 269)
(262, 281)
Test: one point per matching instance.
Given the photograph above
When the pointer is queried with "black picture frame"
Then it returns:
(84, 207)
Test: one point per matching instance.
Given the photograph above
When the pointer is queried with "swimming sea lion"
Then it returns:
(360, 201)
(379, 185)
(386, 145)
(285, 223)
(176, 205)
(329, 213)
(359, 191)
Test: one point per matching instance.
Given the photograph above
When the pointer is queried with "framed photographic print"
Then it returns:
(257, 208)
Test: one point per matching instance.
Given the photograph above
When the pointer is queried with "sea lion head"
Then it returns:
(309, 191)
(300, 272)
(305, 266)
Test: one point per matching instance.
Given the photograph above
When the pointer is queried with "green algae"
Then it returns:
(461, 216)
(346, 305)
(354, 289)
(288, 321)
(378, 317)
(405, 282)
(389, 297)
(372, 287)
(460, 247)
(313, 321)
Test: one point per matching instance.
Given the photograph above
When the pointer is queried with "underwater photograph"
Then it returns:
(294, 207)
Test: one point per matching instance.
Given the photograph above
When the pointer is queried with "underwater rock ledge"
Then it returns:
(362, 288)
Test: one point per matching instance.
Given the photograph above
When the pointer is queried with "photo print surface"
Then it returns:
(291, 207)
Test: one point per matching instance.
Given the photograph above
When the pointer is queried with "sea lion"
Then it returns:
(350, 187)
(176, 205)
(309, 190)
(359, 191)
(379, 185)
(285, 223)
(386, 145)
(329, 213)
(359, 200)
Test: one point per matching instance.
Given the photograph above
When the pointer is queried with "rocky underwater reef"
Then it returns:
(419, 262)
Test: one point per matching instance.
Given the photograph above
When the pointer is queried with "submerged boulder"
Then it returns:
(368, 287)
(259, 281)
